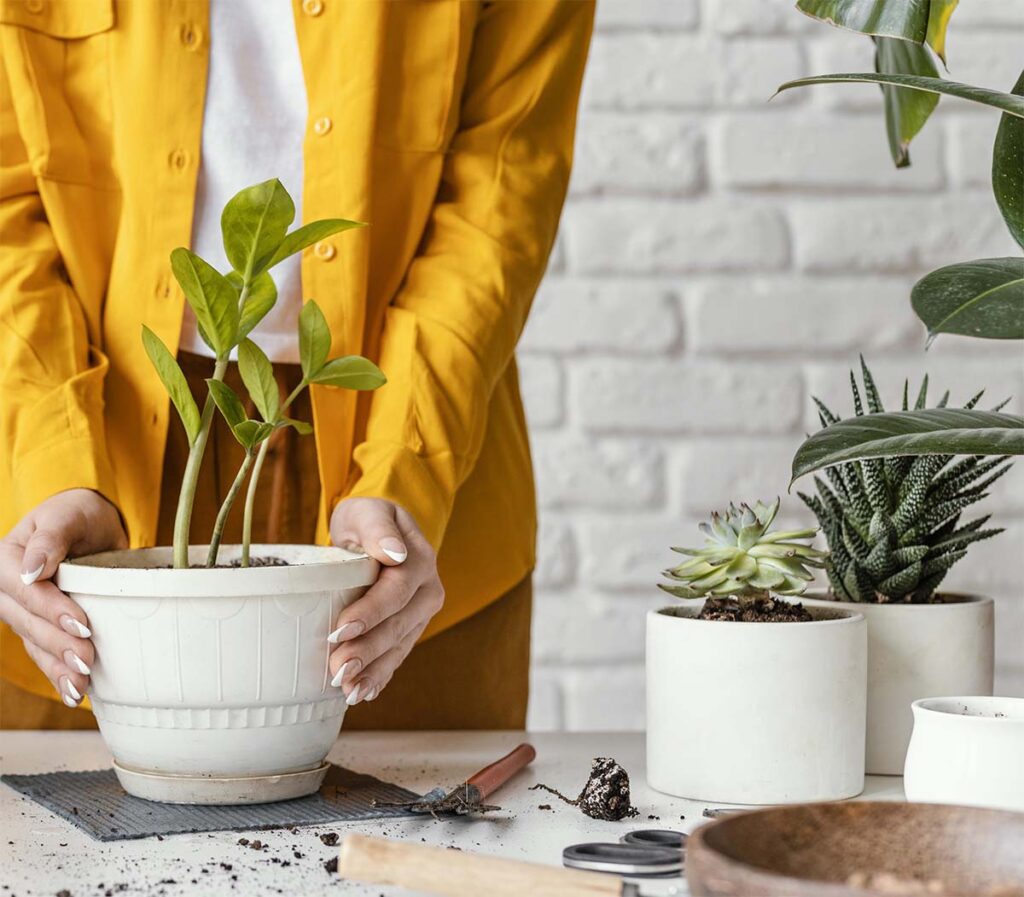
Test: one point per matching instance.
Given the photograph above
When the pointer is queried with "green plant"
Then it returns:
(227, 307)
(893, 523)
(741, 559)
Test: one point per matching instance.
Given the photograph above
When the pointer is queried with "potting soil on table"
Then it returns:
(95, 802)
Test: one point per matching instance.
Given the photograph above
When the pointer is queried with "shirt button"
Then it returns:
(323, 126)
(191, 35)
(179, 160)
(34, 6)
(312, 7)
(324, 250)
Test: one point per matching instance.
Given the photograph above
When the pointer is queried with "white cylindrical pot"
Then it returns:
(756, 713)
(967, 751)
(919, 651)
(216, 674)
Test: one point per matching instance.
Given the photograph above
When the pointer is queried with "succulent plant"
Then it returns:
(893, 524)
(740, 558)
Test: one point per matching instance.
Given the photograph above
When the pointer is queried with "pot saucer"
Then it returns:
(225, 790)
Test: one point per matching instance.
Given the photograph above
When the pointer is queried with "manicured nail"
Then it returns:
(371, 694)
(70, 701)
(30, 576)
(352, 666)
(72, 627)
(344, 633)
(68, 690)
(76, 662)
(353, 696)
(393, 549)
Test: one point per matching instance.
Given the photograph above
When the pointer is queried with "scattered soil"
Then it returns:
(759, 610)
(331, 865)
(606, 794)
(236, 564)
(329, 838)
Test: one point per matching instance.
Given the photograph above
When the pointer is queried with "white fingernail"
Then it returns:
(72, 626)
(70, 701)
(353, 696)
(336, 681)
(78, 663)
(335, 636)
(72, 691)
(396, 556)
(29, 578)
(371, 694)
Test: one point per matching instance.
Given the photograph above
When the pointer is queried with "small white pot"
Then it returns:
(919, 651)
(213, 685)
(756, 713)
(967, 751)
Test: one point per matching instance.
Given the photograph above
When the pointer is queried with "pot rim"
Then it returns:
(668, 612)
(333, 569)
(921, 707)
(963, 599)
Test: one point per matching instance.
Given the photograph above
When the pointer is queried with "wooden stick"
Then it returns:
(492, 777)
(457, 873)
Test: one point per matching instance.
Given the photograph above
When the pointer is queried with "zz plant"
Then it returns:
(255, 225)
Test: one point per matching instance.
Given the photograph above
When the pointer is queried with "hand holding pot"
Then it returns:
(377, 631)
(54, 629)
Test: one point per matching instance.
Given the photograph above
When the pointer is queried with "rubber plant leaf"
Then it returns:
(212, 297)
(935, 431)
(258, 377)
(261, 298)
(309, 234)
(228, 403)
(253, 224)
(350, 372)
(1007, 102)
(174, 382)
(983, 298)
(906, 111)
(1008, 169)
(314, 339)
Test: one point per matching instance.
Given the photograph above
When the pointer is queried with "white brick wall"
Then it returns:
(722, 257)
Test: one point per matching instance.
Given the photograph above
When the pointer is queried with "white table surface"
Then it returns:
(41, 854)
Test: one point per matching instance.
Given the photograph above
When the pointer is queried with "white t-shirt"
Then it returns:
(253, 127)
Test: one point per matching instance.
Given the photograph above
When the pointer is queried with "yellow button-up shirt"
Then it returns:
(446, 124)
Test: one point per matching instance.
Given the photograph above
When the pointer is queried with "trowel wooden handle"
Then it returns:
(456, 873)
(492, 777)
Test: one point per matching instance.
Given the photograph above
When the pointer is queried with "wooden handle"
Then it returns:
(492, 777)
(457, 873)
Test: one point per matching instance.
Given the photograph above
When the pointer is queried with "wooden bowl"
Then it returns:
(857, 849)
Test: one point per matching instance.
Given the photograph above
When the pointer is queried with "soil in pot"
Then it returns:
(760, 610)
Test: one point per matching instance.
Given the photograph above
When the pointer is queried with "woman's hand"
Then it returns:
(377, 631)
(54, 629)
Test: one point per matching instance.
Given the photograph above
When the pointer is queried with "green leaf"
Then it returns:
(228, 403)
(261, 298)
(314, 339)
(309, 234)
(906, 111)
(1008, 169)
(350, 372)
(250, 433)
(258, 377)
(212, 297)
(983, 298)
(935, 431)
(997, 99)
(300, 426)
(174, 382)
(254, 223)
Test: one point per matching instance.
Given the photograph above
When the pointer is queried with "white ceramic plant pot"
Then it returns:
(756, 713)
(212, 686)
(919, 651)
(967, 751)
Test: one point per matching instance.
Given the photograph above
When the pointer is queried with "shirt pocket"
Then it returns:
(69, 19)
(419, 65)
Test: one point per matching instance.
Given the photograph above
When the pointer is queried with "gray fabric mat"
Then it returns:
(95, 802)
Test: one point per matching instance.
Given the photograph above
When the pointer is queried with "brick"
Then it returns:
(556, 553)
(809, 316)
(543, 391)
(835, 50)
(986, 14)
(605, 698)
(618, 316)
(991, 59)
(629, 552)
(638, 153)
(657, 237)
(575, 472)
(757, 17)
(816, 150)
(544, 713)
(751, 69)
(970, 139)
(889, 235)
(682, 396)
(574, 627)
(660, 14)
(993, 567)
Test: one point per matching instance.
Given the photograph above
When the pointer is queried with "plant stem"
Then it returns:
(225, 508)
(187, 496)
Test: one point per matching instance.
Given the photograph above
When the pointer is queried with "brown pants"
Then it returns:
(474, 675)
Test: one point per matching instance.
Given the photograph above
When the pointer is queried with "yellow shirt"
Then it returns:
(446, 125)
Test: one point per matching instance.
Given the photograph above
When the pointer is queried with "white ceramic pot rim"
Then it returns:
(145, 572)
(951, 708)
(683, 615)
(959, 601)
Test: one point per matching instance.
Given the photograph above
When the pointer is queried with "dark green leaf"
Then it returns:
(983, 298)
(254, 223)
(906, 111)
(174, 382)
(251, 433)
(1008, 169)
(261, 298)
(314, 339)
(983, 95)
(350, 372)
(228, 403)
(300, 426)
(212, 298)
(309, 234)
(935, 431)
(258, 377)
